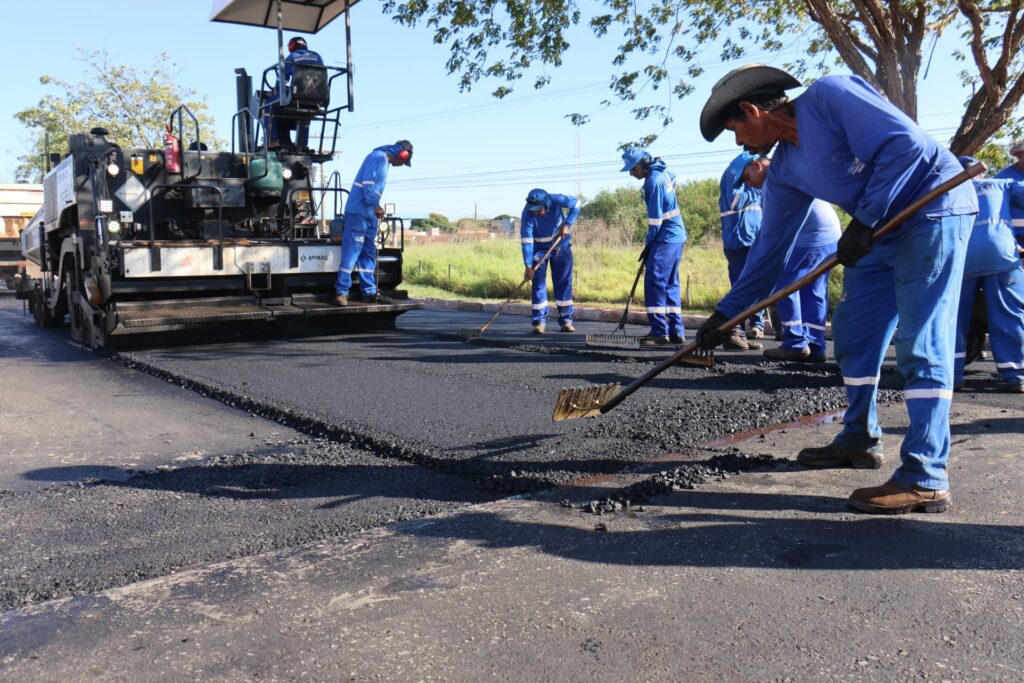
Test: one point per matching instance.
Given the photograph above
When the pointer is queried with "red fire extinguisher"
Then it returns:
(172, 154)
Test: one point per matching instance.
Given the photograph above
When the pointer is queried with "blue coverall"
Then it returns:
(858, 151)
(803, 313)
(1011, 172)
(536, 234)
(358, 245)
(739, 209)
(666, 236)
(994, 265)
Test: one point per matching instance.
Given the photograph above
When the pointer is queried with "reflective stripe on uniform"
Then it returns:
(1015, 366)
(816, 327)
(541, 306)
(544, 239)
(563, 304)
(860, 381)
(365, 270)
(959, 355)
(928, 393)
(527, 240)
(790, 323)
(664, 309)
(752, 207)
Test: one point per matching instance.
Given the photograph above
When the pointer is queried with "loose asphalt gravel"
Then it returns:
(380, 427)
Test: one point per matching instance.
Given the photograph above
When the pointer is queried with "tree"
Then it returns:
(434, 220)
(134, 106)
(624, 206)
(880, 40)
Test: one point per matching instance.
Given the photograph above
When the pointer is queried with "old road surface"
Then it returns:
(399, 506)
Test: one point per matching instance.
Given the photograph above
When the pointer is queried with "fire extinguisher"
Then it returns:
(172, 154)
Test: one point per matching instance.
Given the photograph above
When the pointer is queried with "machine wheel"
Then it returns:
(41, 312)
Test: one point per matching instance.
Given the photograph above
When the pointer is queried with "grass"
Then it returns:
(603, 274)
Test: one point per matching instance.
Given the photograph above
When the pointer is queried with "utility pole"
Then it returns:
(579, 168)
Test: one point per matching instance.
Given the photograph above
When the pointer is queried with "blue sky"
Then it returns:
(474, 154)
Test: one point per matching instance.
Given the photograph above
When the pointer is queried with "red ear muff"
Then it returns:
(403, 155)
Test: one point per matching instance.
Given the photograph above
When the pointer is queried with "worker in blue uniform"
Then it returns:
(1015, 171)
(278, 128)
(993, 265)
(739, 209)
(842, 142)
(663, 248)
(803, 313)
(546, 217)
(362, 217)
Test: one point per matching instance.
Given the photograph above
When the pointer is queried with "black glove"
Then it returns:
(708, 336)
(855, 243)
(644, 253)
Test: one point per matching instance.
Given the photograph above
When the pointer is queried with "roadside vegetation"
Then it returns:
(607, 240)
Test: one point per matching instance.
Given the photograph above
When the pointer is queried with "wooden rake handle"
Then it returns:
(516, 290)
(632, 291)
(825, 266)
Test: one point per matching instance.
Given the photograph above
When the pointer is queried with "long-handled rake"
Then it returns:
(470, 333)
(618, 338)
(598, 399)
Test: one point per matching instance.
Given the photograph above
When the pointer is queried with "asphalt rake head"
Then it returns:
(699, 357)
(469, 333)
(576, 402)
(619, 341)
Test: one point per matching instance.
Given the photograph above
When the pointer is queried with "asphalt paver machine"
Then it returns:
(134, 241)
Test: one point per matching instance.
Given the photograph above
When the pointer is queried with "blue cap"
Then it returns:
(633, 156)
(537, 199)
(966, 161)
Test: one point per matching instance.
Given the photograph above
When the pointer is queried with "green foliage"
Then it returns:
(995, 157)
(434, 220)
(624, 207)
(698, 202)
(661, 46)
(133, 105)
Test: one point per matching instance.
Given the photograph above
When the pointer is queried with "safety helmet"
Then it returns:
(1017, 148)
(537, 199)
(633, 156)
(297, 43)
(735, 86)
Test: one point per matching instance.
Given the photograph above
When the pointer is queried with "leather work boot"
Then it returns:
(652, 340)
(538, 329)
(755, 333)
(676, 339)
(896, 499)
(341, 300)
(781, 353)
(737, 342)
(1017, 387)
(382, 300)
(838, 456)
(567, 327)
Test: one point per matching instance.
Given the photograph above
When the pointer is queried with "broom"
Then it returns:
(470, 333)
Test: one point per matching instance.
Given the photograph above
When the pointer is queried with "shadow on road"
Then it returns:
(728, 539)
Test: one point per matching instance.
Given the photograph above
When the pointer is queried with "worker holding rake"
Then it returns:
(547, 217)
(842, 142)
(663, 248)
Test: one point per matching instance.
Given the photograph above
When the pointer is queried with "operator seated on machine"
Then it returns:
(279, 127)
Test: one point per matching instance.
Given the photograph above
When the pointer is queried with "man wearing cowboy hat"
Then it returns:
(842, 142)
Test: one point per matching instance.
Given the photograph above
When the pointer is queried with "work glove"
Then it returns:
(644, 254)
(854, 243)
(708, 336)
